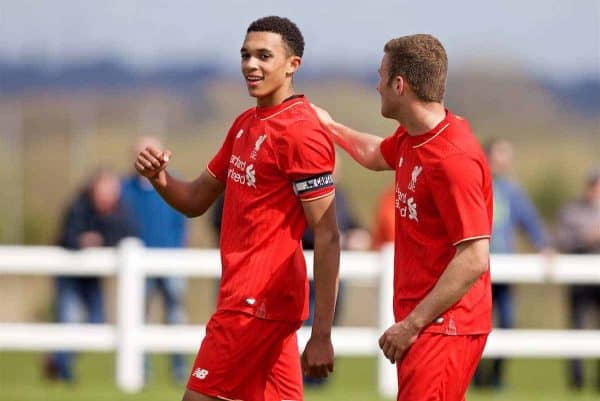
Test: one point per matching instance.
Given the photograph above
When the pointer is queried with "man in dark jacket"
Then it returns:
(96, 218)
(579, 233)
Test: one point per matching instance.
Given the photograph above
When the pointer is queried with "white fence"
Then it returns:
(130, 337)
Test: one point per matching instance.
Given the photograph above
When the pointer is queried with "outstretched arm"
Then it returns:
(362, 147)
(190, 198)
(317, 358)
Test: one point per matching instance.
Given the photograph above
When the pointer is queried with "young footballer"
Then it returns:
(443, 213)
(275, 168)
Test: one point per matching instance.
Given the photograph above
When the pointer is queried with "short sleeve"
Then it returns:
(306, 155)
(389, 147)
(219, 164)
(458, 185)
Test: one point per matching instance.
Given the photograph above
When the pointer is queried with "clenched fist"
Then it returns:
(317, 358)
(152, 162)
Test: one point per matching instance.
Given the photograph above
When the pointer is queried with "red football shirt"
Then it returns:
(443, 197)
(272, 159)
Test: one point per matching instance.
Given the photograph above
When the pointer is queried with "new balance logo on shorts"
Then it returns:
(200, 373)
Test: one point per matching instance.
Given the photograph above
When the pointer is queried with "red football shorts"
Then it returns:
(246, 358)
(439, 367)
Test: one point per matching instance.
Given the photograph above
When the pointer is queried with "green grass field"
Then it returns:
(354, 380)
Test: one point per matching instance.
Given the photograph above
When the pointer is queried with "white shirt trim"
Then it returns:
(471, 238)
(282, 110)
(317, 197)
(226, 399)
(211, 173)
(433, 137)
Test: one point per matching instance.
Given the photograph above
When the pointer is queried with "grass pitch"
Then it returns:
(354, 380)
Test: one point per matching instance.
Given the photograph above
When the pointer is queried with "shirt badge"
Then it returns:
(414, 175)
(257, 146)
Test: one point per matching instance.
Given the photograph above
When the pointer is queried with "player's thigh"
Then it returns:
(285, 380)
(439, 367)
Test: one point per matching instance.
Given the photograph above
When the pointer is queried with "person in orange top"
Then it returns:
(383, 228)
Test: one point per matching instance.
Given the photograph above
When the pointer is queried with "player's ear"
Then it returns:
(293, 65)
(399, 85)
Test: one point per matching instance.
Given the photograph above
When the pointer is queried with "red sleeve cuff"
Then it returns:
(386, 147)
(460, 241)
(316, 194)
(211, 172)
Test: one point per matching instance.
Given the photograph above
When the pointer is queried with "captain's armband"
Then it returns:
(315, 184)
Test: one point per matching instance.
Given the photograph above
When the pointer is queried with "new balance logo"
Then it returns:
(200, 373)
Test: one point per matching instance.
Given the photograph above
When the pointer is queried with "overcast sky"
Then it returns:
(554, 38)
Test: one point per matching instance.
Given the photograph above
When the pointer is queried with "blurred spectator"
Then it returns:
(96, 218)
(579, 232)
(384, 226)
(160, 226)
(513, 210)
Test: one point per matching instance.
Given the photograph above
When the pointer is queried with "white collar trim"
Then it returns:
(433, 137)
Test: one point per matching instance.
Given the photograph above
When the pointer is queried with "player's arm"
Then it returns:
(362, 147)
(190, 198)
(458, 186)
(317, 358)
(469, 263)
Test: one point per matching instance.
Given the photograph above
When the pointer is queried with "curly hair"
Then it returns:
(291, 35)
(422, 61)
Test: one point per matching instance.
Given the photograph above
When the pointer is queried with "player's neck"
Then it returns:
(419, 118)
(276, 97)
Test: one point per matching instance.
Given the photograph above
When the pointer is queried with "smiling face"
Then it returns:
(268, 67)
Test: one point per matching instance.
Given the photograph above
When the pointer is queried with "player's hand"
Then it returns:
(323, 116)
(90, 239)
(397, 340)
(151, 162)
(317, 358)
